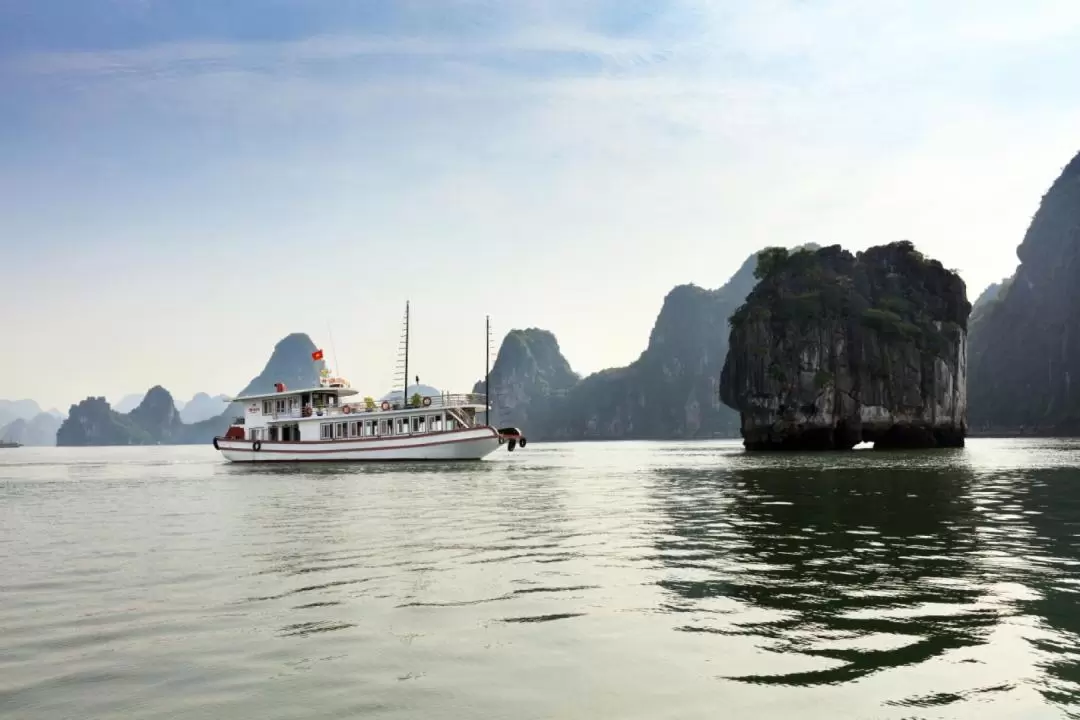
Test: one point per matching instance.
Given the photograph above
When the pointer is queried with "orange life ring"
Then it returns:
(427, 401)
(347, 409)
(385, 405)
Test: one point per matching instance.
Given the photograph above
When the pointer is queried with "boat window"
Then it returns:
(353, 432)
(418, 424)
(369, 428)
(339, 430)
(451, 424)
(433, 423)
(268, 407)
(280, 406)
(326, 431)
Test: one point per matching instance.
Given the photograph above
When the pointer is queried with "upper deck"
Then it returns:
(324, 403)
(322, 390)
(382, 409)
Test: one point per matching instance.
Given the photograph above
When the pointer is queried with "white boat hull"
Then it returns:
(470, 444)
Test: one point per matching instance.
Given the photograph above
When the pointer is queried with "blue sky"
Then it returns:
(185, 182)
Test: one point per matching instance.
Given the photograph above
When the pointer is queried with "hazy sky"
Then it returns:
(183, 182)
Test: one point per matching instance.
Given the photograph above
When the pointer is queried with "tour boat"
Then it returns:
(328, 423)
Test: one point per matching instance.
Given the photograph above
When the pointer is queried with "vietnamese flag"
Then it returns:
(317, 355)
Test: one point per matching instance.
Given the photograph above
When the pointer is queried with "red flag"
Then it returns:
(317, 355)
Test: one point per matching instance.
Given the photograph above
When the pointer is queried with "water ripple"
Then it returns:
(632, 580)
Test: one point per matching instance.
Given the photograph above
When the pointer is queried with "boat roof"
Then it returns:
(339, 391)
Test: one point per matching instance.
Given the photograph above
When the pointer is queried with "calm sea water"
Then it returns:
(616, 580)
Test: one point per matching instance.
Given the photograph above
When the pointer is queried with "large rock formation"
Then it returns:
(832, 349)
(156, 420)
(529, 381)
(158, 416)
(93, 422)
(1025, 343)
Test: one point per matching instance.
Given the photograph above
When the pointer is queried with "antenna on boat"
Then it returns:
(333, 348)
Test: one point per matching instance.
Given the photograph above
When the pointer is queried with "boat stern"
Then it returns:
(512, 436)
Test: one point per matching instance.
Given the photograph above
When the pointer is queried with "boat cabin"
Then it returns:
(330, 413)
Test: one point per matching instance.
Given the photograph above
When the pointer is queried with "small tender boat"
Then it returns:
(327, 423)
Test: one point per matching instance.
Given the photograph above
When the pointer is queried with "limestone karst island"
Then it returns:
(833, 349)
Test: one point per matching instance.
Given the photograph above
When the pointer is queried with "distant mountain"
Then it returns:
(394, 396)
(94, 422)
(17, 409)
(39, 430)
(155, 420)
(202, 407)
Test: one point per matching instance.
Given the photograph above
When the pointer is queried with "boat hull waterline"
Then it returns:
(469, 444)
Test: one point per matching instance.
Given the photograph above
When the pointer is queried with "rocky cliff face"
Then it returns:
(832, 349)
(670, 390)
(94, 422)
(1025, 344)
(529, 380)
(158, 417)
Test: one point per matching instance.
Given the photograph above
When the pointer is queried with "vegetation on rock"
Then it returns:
(826, 333)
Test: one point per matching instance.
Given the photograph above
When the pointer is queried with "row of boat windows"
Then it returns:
(385, 428)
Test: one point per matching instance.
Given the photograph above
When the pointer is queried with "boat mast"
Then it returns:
(405, 382)
(487, 369)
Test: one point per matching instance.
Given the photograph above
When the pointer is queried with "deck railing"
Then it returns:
(443, 401)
